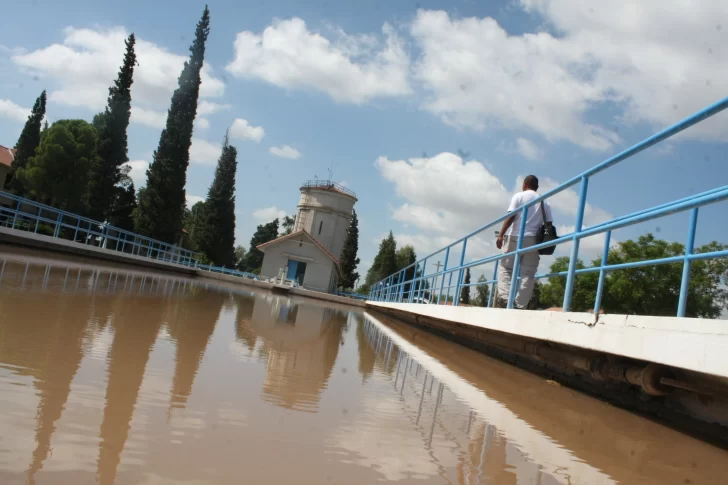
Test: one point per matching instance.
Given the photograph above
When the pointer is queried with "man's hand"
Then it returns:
(499, 242)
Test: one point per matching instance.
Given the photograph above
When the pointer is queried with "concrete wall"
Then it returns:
(328, 210)
(319, 267)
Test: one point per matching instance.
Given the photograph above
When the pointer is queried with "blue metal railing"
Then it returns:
(20, 213)
(399, 288)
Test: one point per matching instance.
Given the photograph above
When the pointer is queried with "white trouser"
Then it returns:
(529, 265)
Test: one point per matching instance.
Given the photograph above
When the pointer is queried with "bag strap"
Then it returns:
(543, 213)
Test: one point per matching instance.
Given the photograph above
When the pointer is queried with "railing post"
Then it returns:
(602, 273)
(59, 223)
(494, 285)
(571, 276)
(456, 298)
(75, 234)
(401, 288)
(685, 282)
(442, 276)
(516, 271)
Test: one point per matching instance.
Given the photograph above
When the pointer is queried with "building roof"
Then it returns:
(329, 186)
(315, 241)
(7, 155)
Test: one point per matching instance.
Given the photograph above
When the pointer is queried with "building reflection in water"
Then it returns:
(300, 344)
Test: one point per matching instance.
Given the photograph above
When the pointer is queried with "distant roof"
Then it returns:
(7, 155)
(313, 239)
(328, 185)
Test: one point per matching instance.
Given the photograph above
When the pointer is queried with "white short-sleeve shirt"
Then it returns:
(534, 219)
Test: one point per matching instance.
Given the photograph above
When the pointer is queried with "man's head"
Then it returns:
(530, 183)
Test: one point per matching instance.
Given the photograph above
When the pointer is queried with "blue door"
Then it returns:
(292, 269)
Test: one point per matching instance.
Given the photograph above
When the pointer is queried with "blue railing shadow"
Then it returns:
(398, 287)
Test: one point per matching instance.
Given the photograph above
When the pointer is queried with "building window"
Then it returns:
(321, 226)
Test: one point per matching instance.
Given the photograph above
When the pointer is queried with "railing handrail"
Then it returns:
(327, 184)
(687, 203)
(105, 225)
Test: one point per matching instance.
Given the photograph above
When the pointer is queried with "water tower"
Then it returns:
(310, 255)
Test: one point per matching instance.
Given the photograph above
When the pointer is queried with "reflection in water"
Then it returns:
(126, 377)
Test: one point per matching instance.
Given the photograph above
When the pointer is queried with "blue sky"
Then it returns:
(429, 111)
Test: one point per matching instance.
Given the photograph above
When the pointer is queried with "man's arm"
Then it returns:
(515, 204)
(506, 224)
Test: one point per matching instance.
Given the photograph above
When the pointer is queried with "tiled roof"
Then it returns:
(313, 239)
(7, 155)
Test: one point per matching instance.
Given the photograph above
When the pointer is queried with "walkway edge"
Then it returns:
(686, 343)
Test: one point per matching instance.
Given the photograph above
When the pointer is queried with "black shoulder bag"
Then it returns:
(546, 234)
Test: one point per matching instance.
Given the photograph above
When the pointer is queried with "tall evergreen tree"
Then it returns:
(253, 260)
(217, 236)
(407, 256)
(27, 143)
(162, 203)
(349, 261)
(122, 209)
(465, 292)
(112, 145)
(385, 262)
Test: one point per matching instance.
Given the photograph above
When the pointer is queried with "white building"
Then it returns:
(310, 254)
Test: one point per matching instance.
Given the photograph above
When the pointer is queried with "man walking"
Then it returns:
(509, 234)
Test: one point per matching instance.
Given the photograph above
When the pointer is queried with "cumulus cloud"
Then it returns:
(445, 198)
(285, 151)
(348, 68)
(267, 214)
(528, 149)
(202, 123)
(208, 107)
(87, 61)
(138, 172)
(191, 200)
(244, 130)
(13, 111)
(653, 64)
(148, 117)
(204, 152)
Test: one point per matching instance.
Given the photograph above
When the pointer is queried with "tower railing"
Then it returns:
(327, 184)
(413, 285)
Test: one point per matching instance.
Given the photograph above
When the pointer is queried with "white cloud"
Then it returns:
(202, 123)
(9, 109)
(88, 60)
(268, 214)
(208, 107)
(148, 117)
(350, 68)
(138, 172)
(653, 64)
(204, 152)
(285, 151)
(191, 200)
(244, 130)
(528, 149)
(444, 194)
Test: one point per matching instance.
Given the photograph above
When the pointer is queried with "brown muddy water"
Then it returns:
(115, 376)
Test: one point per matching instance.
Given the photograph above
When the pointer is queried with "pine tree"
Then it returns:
(482, 293)
(349, 261)
(112, 145)
(217, 236)
(27, 143)
(465, 292)
(162, 203)
(385, 262)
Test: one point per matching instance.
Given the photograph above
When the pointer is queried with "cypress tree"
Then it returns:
(465, 292)
(121, 212)
(349, 261)
(217, 236)
(27, 143)
(112, 144)
(162, 203)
